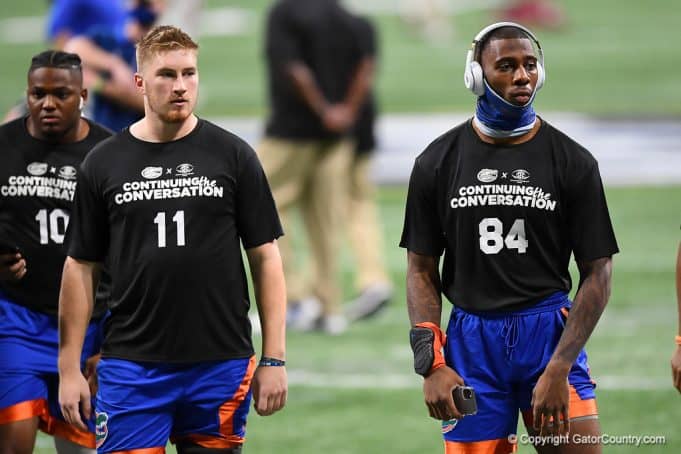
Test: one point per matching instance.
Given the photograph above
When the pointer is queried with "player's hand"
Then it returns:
(676, 368)
(74, 390)
(270, 387)
(437, 391)
(12, 267)
(90, 372)
(550, 402)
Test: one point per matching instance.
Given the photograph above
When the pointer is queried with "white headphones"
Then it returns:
(473, 76)
(81, 104)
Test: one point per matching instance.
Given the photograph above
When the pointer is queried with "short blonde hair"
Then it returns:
(163, 38)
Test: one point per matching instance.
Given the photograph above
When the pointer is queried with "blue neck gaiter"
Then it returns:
(496, 117)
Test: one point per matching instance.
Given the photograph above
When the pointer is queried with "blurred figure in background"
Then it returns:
(534, 13)
(676, 359)
(109, 65)
(318, 80)
(69, 18)
(430, 18)
(185, 14)
(364, 231)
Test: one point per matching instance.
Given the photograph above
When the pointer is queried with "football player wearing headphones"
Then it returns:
(41, 154)
(507, 198)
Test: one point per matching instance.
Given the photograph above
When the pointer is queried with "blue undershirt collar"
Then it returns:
(496, 117)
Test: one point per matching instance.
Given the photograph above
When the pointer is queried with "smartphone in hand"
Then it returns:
(464, 399)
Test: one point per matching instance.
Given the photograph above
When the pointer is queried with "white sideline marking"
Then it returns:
(404, 381)
(227, 21)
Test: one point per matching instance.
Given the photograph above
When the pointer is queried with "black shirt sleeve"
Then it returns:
(591, 232)
(282, 42)
(257, 218)
(422, 232)
(87, 237)
(367, 36)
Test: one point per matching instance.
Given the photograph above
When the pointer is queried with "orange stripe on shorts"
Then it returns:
(157, 450)
(53, 426)
(578, 408)
(500, 446)
(227, 410)
(23, 410)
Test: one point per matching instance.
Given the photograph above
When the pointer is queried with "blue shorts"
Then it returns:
(502, 355)
(29, 379)
(140, 405)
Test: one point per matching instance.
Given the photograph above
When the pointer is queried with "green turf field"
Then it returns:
(615, 57)
(362, 398)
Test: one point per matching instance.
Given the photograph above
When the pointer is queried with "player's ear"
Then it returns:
(139, 83)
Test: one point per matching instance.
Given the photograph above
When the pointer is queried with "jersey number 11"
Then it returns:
(160, 221)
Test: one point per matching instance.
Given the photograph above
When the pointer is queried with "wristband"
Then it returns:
(678, 340)
(426, 341)
(267, 361)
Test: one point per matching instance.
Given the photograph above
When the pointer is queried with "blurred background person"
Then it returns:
(108, 55)
(184, 14)
(69, 18)
(361, 216)
(318, 81)
(534, 13)
(429, 18)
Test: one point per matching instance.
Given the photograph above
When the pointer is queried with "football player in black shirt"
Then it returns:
(507, 198)
(169, 202)
(38, 167)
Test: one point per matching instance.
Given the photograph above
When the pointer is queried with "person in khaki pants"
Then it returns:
(318, 80)
(372, 284)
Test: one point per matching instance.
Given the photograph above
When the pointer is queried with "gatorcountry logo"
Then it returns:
(101, 428)
(151, 173)
(185, 169)
(488, 175)
(68, 172)
(37, 168)
(520, 176)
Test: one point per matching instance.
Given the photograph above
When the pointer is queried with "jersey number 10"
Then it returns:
(160, 221)
(491, 241)
(53, 225)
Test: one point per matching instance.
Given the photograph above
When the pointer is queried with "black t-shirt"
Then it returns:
(37, 183)
(506, 217)
(364, 128)
(170, 217)
(320, 34)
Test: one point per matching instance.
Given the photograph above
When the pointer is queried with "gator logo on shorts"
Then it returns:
(101, 428)
(448, 426)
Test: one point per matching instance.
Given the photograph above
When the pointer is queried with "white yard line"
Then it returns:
(227, 21)
(305, 378)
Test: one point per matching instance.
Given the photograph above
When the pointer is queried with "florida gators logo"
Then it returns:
(448, 426)
(101, 428)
